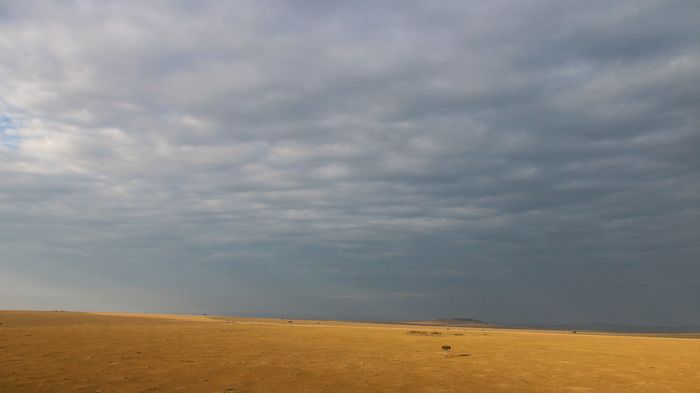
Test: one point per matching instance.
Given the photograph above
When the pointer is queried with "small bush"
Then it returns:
(423, 333)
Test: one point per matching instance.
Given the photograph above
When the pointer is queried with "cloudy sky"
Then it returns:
(512, 161)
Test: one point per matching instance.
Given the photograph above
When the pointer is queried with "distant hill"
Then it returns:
(457, 322)
(618, 328)
(594, 327)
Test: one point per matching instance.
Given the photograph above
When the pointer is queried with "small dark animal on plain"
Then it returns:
(446, 349)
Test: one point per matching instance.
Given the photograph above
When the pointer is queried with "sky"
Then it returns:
(510, 161)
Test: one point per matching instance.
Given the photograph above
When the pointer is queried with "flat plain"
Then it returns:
(88, 352)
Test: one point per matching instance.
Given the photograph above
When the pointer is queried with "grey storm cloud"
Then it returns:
(513, 161)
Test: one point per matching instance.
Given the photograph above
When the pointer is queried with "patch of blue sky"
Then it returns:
(7, 136)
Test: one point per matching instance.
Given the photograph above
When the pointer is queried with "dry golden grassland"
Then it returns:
(81, 352)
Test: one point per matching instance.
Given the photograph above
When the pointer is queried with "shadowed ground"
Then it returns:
(80, 352)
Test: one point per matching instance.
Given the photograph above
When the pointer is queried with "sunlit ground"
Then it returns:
(77, 352)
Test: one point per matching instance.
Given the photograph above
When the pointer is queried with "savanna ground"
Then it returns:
(82, 352)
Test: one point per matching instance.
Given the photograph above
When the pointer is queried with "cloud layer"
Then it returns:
(512, 161)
